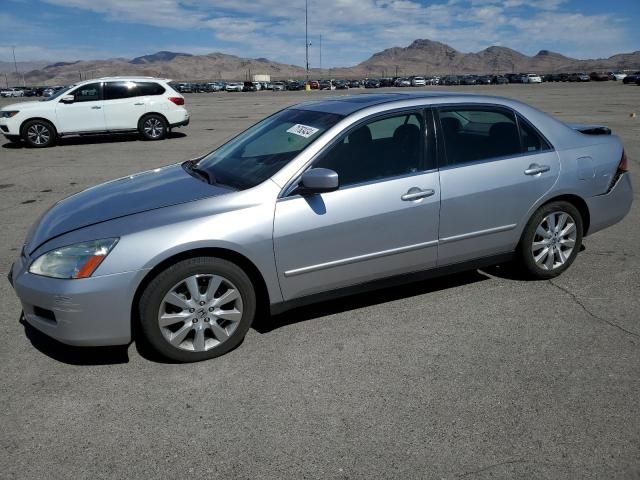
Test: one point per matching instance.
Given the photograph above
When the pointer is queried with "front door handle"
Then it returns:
(416, 193)
(96, 107)
(535, 169)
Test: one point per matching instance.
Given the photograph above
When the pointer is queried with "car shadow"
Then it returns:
(95, 140)
(266, 323)
(512, 271)
(74, 355)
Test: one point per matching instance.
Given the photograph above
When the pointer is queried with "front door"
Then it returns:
(382, 221)
(85, 113)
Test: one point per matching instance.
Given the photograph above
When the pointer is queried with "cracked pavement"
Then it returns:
(478, 375)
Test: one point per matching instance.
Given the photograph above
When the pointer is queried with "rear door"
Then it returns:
(123, 105)
(497, 166)
(85, 114)
(382, 221)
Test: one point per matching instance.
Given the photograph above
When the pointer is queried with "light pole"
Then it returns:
(15, 64)
(321, 54)
(306, 36)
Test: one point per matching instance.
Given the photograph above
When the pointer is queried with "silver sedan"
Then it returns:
(320, 199)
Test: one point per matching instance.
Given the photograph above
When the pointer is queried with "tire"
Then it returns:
(546, 228)
(194, 330)
(153, 127)
(39, 134)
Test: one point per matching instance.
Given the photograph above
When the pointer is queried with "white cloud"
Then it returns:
(354, 29)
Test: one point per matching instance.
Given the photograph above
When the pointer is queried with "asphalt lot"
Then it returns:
(479, 375)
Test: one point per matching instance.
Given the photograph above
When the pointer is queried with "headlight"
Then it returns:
(75, 261)
(9, 113)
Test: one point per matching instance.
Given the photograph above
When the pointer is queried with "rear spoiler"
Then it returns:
(590, 129)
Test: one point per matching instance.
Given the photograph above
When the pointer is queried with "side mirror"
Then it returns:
(68, 99)
(318, 180)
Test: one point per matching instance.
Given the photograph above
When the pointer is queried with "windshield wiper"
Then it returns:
(191, 166)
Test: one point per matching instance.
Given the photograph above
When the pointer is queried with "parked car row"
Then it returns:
(333, 84)
(29, 91)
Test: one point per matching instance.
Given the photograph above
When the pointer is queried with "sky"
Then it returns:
(352, 30)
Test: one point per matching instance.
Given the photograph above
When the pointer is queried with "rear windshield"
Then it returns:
(259, 152)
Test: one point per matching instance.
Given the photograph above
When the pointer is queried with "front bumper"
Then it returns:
(9, 126)
(85, 312)
(609, 208)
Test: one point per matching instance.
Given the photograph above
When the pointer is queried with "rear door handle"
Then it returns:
(416, 193)
(96, 107)
(535, 169)
(139, 103)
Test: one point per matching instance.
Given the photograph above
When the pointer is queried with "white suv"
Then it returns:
(147, 105)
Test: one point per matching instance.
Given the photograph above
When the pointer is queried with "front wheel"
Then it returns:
(197, 309)
(551, 240)
(153, 127)
(39, 134)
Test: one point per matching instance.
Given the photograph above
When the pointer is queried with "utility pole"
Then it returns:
(15, 64)
(306, 35)
(320, 53)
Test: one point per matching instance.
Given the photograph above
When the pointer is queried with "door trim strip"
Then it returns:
(359, 258)
(478, 233)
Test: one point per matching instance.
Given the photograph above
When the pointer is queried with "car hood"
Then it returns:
(23, 105)
(162, 187)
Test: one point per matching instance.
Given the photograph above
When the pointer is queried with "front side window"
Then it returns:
(379, 149)
(87, 93)
(478, 133)
(262, 150)
(117, 90)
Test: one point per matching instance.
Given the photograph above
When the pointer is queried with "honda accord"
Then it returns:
(320, 199)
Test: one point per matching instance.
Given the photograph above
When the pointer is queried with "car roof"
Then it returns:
(134, 78)
(348, 104)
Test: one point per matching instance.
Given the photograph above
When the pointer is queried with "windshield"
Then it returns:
(57, 93)
(259, 152)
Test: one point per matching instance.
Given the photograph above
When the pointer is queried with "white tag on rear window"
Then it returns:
(302, 130)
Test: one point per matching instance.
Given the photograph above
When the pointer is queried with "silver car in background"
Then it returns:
(320, 199)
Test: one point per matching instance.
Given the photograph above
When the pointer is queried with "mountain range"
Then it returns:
(422, 57)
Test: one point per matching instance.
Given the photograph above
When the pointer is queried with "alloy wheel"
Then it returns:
(200, 312)
(153, 127)
(38, 134)
(554, 240)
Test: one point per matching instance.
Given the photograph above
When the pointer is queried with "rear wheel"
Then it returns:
(197, 309)
(38, 134)
(153, 127)
(551, 240)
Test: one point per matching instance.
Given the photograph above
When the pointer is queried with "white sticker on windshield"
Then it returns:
(302, 130)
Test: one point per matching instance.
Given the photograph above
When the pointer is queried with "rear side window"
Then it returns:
(478, 133)
(532, 141)
(87, 93)
(116, 90)
(148, 89)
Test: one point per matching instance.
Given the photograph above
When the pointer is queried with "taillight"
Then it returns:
(623, 166)
(177, 100)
